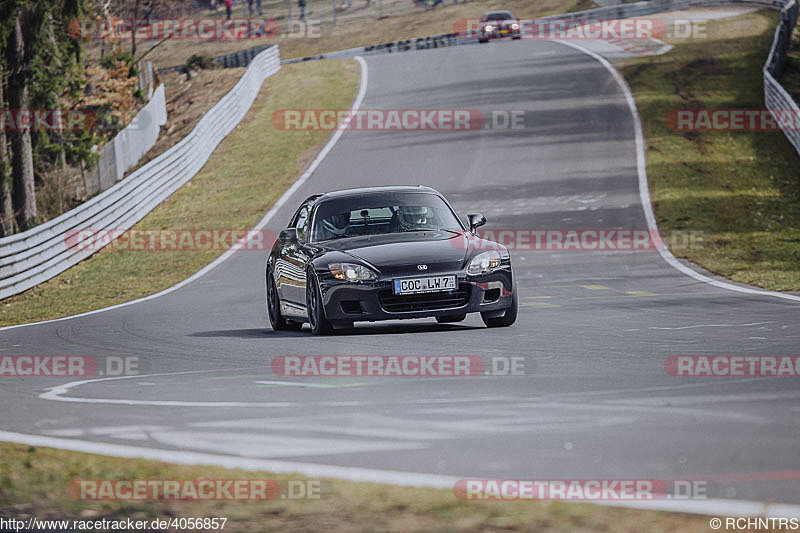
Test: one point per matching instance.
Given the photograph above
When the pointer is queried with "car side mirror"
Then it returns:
(289, 234)
(476, 220)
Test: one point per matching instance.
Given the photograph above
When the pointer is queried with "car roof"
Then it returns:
(361, 191)
(498, 11)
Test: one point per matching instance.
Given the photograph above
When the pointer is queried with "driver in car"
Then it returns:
(411, 217)
(336, 225)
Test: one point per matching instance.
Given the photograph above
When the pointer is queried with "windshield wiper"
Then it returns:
(427, 229)
(338, 237)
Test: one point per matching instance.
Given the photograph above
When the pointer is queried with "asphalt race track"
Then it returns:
(595, 328)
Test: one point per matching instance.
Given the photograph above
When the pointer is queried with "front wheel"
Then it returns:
(507, 319)
(276, 320)
(316, 313)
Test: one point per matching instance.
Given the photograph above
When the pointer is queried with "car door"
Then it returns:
(293, 263)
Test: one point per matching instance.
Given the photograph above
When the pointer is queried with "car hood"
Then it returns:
(399, 253)
(399, 249)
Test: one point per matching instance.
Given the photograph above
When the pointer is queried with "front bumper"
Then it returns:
(498, 34)
(372, 301)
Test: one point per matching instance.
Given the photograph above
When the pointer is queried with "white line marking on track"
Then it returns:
(310, 385)
(370, 475)
(362, 90)
(57, 394)
(741, 397)
(644, 190)
(715, 325)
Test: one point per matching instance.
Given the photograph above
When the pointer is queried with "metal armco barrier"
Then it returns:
(242, 58)
(775, 96)
(36, 255)
(420, 43)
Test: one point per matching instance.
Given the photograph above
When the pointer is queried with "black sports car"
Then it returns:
(385, 253)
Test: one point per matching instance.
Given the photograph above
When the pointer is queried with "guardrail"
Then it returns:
(242, 58)
(36, 255)
(420, 43)
(775, 96)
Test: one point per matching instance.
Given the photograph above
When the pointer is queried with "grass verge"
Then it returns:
(740, 189)
(34, 484)
(245, 175)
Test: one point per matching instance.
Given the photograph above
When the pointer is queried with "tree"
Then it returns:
(17, 57)
(6, 207)
(42, 63)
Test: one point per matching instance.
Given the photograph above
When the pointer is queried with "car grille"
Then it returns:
(492, 295)
(352, 307)
(393, 303)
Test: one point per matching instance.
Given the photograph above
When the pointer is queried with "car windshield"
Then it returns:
(377, 214)
(502, 15)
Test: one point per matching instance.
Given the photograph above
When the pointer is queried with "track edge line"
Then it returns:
(722, 507)
(644, 188)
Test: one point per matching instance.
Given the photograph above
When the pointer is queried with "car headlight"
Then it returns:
(484, 262)
(515, 26)
(352, 272)
(489, 27)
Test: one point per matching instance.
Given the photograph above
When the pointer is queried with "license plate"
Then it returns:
(420, 285)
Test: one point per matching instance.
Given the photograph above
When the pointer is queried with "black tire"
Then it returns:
(276, 320)
(507, 319)
(320, 325)
(483, 41)
(517, 37)
(449, 319)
